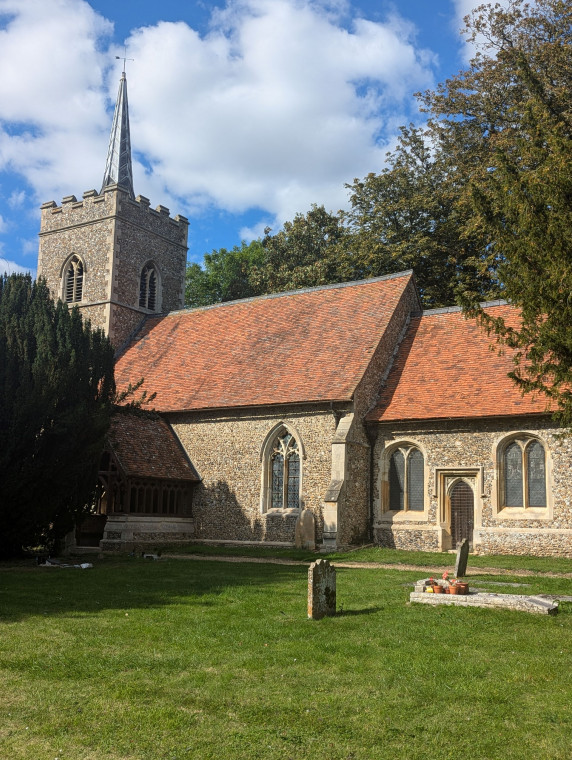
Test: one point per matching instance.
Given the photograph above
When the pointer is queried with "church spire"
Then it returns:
(118, 168)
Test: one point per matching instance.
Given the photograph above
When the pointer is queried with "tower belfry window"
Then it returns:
(148, 288)
(73, 281)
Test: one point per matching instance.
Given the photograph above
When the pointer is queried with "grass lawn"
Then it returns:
(196, 659)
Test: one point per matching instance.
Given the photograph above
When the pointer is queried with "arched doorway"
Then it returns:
(462, 512)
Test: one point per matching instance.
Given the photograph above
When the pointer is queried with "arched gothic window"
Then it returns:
(406, 479)
(285, 473)
(523, 473)
(148, 288)
(73, 280)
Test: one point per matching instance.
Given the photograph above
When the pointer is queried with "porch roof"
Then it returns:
(145, 446)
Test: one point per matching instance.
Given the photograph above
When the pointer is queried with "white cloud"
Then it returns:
(256, 232)
(10, 267)
(17, 199)
(276, 107)
(279, 104)
(52, 105)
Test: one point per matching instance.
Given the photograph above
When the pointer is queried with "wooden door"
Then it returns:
(462, 512)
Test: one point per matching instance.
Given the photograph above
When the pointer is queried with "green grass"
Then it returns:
(195, 659)
(385, 556)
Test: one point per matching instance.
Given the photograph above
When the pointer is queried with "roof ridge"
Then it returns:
(453, 309)
(333, 286)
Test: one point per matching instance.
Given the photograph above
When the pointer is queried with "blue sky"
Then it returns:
(243, 112)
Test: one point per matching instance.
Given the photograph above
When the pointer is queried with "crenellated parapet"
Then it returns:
(113, 201)
(116, 243)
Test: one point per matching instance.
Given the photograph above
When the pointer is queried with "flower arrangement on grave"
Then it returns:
(454, 585)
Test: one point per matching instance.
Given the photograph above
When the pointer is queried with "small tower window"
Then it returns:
(148, 288)
(73, 281)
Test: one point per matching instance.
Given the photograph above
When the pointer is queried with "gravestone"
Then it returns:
(321, 590)
(305, 531)
(462, 558)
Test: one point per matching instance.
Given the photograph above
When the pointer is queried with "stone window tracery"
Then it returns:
(285, 473)
(523, 468)
(407, 479)
(73, 280)
(148, 288)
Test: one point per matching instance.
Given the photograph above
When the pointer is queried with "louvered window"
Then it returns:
(407, 480)
(285, 472)
(524, 474)
(73, 281)
(148, 288)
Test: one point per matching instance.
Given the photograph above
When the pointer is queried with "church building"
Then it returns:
(344, 409)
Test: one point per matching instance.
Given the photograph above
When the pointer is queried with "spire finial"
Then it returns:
(118, 169)
(124, 59)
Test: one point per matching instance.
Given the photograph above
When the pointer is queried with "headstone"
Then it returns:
(321, 590)
(305, 532)
(462, 558)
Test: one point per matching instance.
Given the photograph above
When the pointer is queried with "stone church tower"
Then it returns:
(110, 254)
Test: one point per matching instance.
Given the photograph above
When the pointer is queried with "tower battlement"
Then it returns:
(114, 200)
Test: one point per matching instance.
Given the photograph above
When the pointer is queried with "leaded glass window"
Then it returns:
(396, 480)
(277, 480)
(148, 288)
(415, 480)
(285, 472)
(536, 475)
(407, 479)
(524, 474)
(73, 281)
(513, 476)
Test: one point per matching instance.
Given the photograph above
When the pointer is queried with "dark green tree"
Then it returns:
(505, 124)
(311, 250)
(224, 276)
(410, 216)
(56, 397)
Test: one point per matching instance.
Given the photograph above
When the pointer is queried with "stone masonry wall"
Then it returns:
(115, 237)
(225, 449)
(85, 228)
(142, 235)
(354, 521)
(455, 445)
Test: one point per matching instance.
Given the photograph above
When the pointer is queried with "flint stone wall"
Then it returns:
(472, 444)
(225, 448)
(115, 237)
(354, 519)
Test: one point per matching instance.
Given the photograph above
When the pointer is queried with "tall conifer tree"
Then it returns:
(56, 393)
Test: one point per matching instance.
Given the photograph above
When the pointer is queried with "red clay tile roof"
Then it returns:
(310, 345)
(445, 368)
(145, 446)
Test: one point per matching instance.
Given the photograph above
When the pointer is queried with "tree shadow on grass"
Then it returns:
(129, 582)
(125, 582)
